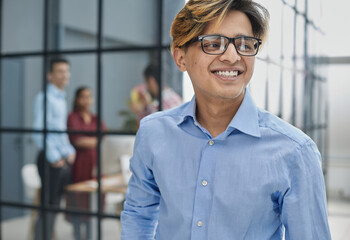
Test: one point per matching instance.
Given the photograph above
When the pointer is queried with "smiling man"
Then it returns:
(218, 167)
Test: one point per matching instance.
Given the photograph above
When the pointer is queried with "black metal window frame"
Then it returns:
(159, 47)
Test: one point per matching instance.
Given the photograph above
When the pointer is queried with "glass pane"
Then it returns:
(274, 89)
(69, 30)
(22, 25)
(21, 81)
(258, 84)
(123, 88)
(300, 101)
(170, 9)
(20, 181)
(288, 32)
(17, 223)
(315, 11)
(301, 6)
(141, 18)
(274, 43)
(287, 95)
(172, 79)
(83, 74)
(290, 2)
(111, 229)
(300, 37)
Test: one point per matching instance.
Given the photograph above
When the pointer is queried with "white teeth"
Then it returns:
(227, 73)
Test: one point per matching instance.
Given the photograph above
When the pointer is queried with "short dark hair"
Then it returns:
(55, 61)
(78, 91)
(152, 70)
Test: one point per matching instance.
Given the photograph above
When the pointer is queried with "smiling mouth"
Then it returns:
(227, 73)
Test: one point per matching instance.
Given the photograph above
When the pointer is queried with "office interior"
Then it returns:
(108, 44)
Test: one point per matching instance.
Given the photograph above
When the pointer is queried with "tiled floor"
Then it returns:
(338, 211)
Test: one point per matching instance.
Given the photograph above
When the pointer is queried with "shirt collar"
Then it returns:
(55, 90)
(246, 119)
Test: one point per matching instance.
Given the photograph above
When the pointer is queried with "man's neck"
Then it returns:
(216, 114)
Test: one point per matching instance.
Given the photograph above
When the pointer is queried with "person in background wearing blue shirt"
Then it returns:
(218, 167)
(60, 154)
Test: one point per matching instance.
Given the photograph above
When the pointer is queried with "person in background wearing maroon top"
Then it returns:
(84, 168)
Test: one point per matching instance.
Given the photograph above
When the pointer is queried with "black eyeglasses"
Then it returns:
(217, 44)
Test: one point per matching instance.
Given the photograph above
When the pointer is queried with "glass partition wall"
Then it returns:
(289, 81)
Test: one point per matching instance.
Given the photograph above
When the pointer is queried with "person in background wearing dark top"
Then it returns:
(145, 97)
(84, 167)
(60, 154)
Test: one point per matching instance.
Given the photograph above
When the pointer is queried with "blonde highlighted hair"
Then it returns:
(193, 19)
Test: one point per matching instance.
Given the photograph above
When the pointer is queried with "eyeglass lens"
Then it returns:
(218, 45)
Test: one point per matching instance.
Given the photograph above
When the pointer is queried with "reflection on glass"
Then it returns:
(21, 80)
(22, 25)
(141, 29)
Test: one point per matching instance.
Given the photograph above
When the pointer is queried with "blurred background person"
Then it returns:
(145, 97)
(84, 168)
(60, 154)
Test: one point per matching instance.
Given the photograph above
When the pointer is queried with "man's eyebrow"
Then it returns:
(237, 35)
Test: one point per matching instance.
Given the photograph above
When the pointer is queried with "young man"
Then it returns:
(218, 167)
(60, 154)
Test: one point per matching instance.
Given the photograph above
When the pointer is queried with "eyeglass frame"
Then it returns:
(200, 39)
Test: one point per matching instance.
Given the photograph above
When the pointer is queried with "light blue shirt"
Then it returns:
(256, 179)
(57, 144)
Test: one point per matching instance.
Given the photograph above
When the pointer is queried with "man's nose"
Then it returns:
(230, 55)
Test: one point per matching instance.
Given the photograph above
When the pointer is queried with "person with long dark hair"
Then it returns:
(84, 168)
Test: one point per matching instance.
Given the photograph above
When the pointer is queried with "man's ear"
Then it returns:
(179, 58)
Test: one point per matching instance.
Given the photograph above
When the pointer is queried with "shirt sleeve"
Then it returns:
(57, 144)
(140, 215)
(38, 121)
(304, 209)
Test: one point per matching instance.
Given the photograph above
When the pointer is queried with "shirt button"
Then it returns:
(211, 142)
(199, 223)
(204, 183)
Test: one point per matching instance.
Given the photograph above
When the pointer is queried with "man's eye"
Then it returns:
(212, 45)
